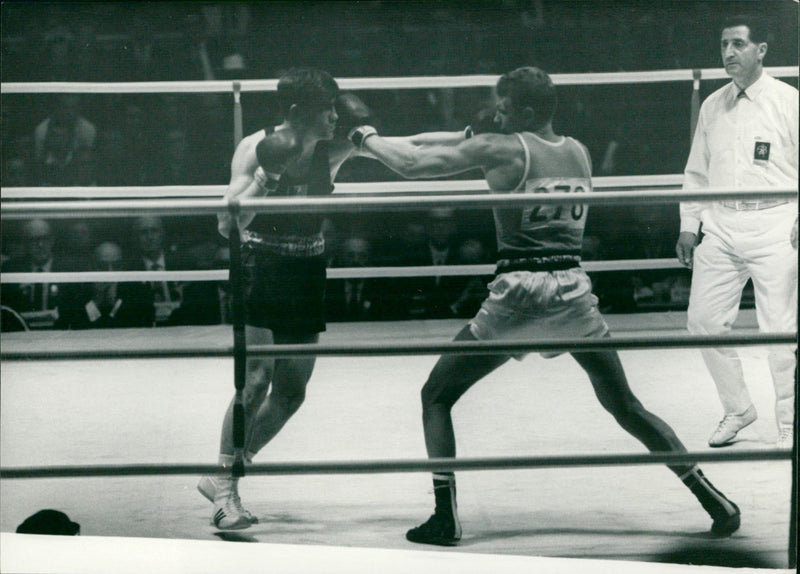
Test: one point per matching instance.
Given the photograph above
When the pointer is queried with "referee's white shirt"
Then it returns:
(728, 151)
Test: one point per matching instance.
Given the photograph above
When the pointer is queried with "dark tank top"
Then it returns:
(298, 234)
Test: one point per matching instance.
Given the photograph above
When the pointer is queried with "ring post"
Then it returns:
(237, 113)
(795, 486)
(236, 278)
(695, 109)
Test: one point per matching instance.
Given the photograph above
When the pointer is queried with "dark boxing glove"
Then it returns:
(352, 113)
(482, 123)
(273, 153)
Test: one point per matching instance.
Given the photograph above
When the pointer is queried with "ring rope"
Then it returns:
(178, 207)
(425, 186)
(374, 83)
(570, 345)
(406, 465)
(332, 273)
(419, 82)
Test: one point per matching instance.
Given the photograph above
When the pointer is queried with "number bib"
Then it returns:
(544, 229)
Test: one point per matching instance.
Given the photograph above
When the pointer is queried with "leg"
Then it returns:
(717, 282)
(774, 273)
(222, 489)
(259, 378)
(452, 376)
(286, 395)
(611, 387)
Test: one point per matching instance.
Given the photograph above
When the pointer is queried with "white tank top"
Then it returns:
(546, 230)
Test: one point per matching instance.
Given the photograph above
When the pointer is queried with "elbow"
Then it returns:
(411, 168)
(224, 225)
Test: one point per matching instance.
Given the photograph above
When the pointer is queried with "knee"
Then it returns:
(699, 321)
(258, 382)
(625, 410)
(433, 396)
(259, 372)
(289, 400)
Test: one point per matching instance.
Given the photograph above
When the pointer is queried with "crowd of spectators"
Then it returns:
(68, 140)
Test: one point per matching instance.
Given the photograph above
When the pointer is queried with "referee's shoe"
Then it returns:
(730, 425)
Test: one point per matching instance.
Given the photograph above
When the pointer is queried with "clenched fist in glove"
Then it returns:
(354, 117)
(273, 153)
(482, 123)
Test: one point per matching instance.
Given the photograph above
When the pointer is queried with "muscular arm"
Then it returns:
(422, 139)
(242, 184)
(411, 160)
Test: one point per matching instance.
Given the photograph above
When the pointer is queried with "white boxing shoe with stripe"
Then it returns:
(229, 514)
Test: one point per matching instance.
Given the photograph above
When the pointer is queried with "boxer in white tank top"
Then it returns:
(540, 291)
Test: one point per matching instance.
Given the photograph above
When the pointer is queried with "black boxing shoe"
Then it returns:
(727, 523)
(726, 515)
(441, 529)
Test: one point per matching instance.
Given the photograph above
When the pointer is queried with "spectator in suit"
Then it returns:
(202, 302)
(78, 246)
(37, 303)
(439, 296)
(356, 299)
(105, 305)
(152, 254)
(472, 290)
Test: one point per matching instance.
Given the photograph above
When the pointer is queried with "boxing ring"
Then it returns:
(354, 451)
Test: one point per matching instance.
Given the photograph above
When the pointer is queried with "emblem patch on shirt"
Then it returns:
(761, 151)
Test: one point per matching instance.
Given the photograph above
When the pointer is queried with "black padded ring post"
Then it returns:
(236, 278)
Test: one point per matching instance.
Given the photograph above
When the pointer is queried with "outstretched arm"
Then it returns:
(416, 161)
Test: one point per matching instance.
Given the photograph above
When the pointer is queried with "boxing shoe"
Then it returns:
(210, 487)
(726, 515)
(441, 529)
(726, 523)
(730, 425)
(229, 514)
(785, 438)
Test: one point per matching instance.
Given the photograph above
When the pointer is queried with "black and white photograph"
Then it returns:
(399, 286)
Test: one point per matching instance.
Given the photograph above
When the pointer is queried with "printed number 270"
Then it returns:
(576, 210)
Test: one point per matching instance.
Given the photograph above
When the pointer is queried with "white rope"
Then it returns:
(375, 83)
(333, 273)
(411, 347)
(177, 207)
(395, 465)
(377, 187)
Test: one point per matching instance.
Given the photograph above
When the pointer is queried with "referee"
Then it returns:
(746, 137)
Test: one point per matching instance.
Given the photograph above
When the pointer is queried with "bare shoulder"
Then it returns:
(245, 158)
(249, 143)
(498, 146)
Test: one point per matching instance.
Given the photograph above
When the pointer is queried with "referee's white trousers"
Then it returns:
(739, 245)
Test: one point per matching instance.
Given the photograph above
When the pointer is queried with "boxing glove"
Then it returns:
(352, 113)
(482, 123)
(273, 153)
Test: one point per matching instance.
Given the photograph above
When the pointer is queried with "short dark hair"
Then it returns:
(757, 26)
(533, 88)
(310, 88)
